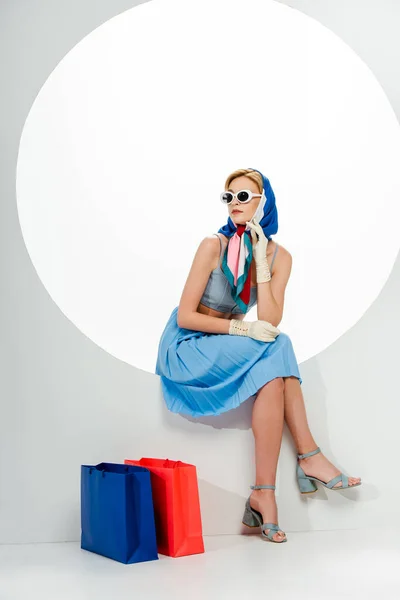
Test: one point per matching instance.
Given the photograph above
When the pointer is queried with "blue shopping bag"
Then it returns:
(117, 513)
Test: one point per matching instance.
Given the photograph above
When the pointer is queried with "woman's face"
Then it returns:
(240, 213)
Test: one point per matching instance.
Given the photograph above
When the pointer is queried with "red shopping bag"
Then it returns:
(176, 505)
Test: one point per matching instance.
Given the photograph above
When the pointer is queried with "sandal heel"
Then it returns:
(249, 519)
(306, 485)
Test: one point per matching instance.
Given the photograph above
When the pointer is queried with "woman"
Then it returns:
(210, 359)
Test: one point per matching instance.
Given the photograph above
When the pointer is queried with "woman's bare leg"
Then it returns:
(296, 419)
(267, 425)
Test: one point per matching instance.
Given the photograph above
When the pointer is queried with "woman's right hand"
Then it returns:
(258, 330)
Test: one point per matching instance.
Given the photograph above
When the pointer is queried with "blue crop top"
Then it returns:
(217, 294)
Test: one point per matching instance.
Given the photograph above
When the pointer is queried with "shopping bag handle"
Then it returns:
(103, 471)
(176, 463)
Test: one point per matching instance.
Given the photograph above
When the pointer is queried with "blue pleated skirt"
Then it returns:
(211, 373)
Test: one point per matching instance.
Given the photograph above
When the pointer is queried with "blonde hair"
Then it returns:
(253, 175)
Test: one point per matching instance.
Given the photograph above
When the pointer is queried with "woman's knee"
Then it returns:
(284, 337)
(290, 378)
(277, 384)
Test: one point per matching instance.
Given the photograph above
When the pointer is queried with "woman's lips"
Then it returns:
(236, 211)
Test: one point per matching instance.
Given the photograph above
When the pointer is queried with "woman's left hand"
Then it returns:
(259, 250)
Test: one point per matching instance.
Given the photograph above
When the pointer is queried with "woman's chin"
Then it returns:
(238, 220)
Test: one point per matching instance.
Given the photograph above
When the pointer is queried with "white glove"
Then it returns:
(259, 250)
(258, 330)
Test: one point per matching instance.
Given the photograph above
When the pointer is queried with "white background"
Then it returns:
(65, 401)
(129, 142)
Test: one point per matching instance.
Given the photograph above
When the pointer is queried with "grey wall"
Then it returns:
(46, 362)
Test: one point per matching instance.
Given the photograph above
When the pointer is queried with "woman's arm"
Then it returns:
(271, 294)
(199, 322)
(188, 317)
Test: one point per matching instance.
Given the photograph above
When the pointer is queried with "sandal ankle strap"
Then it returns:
(261, 487)
(300, 456)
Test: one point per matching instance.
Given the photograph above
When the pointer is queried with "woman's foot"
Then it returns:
(319, 466)
(264, 501)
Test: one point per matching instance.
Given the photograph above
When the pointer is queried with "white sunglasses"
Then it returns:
(243, 196)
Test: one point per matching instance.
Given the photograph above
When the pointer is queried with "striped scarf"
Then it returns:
(236, 265)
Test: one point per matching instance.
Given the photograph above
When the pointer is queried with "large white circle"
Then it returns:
(127, 146)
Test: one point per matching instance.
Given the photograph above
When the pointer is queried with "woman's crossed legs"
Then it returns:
(278, 400)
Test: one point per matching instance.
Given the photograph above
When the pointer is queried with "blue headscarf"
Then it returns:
(266, 213)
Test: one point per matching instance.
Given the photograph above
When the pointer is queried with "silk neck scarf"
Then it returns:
(236, 262)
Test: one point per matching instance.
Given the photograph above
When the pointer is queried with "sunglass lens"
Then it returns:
(243, 196)
(227, 197)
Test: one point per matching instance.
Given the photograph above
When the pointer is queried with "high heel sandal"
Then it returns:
(306, 482)
(253, 518)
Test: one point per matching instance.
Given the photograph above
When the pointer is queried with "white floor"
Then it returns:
(325, 564)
